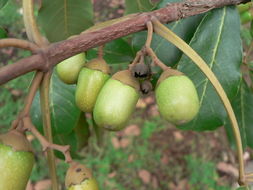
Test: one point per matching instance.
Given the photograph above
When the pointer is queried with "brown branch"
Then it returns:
(18, 43)
(43, 141)
(57, 52)
(29, 99)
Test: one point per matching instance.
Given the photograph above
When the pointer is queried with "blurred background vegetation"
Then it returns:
(148, 154)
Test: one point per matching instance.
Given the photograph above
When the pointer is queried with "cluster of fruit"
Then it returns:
(112, 99)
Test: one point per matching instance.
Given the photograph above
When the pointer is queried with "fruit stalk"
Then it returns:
(44, 142)
(149, 50)
(31, 27)
(101, 52)
(45, 110)
(163, 31)
(29, 99)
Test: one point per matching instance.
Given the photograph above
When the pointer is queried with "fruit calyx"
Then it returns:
(146, 86)
(168, 73)
(126, 77)
(76, 174)
(98, 64)
(16, 140)
(140, 70)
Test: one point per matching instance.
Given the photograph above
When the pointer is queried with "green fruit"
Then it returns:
(16, 161)
(79, 177)
(68, 70)
(176, 97)
(116, 101)
(90, 81)
(88, 184)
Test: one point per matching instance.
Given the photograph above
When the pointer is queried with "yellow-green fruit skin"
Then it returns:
(177, 99)
(88, 184)
(88, 87)
(115, 104)
(68, 70)
(15, 168)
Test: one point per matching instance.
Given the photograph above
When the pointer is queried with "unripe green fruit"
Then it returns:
(16, 161)
(90, 82)
(68, 70)
(79, 177)
(177, 98)
(116, 101)
(88, 184)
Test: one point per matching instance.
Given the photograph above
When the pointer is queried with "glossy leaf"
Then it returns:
(217, 40)
(64, 113)
(243, 108)
(115, 52)
(3, 3)
(135, 6)
(63, 18)
(167, 52)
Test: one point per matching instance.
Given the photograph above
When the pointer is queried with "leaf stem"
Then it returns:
(31, 27)
(149, 50)
(45, 110)
(18, 43)
(29, 99)
(177, 41)
(101, 52)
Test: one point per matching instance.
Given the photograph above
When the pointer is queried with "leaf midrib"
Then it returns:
(214, 53)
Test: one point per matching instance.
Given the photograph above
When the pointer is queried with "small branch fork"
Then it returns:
(147, 50)
(23, 122)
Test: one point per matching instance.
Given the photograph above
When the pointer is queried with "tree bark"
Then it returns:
(48, 57)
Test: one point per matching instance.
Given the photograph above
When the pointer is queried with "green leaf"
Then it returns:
(115, 52)
(64, 113)
(243, 108)
(135, 6)
(167, 52)
(217, 40)
(63, 18)
(3, 3)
